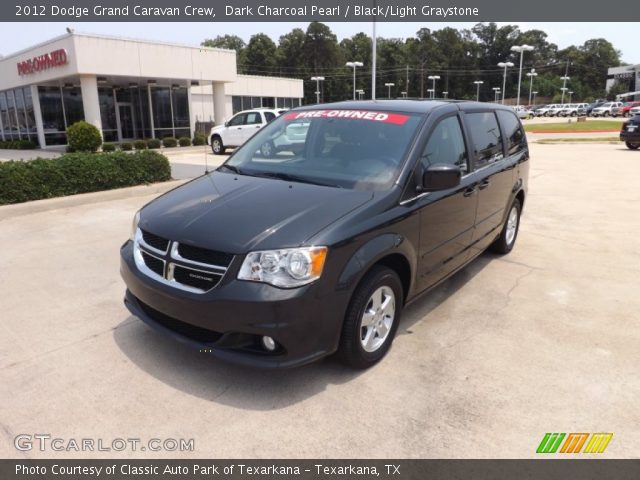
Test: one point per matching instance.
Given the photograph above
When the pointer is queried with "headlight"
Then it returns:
(134, 225)
(287, 268)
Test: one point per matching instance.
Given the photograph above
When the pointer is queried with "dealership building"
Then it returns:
(127, 88)
(629, 77)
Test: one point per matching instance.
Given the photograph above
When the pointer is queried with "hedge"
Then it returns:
(154, 143)
(83, 137)
(199, 139)
(140, 144)
(108, 147)
(184, 141)
(74, 173)
(126, 146)
(169, 142)
(18, 145)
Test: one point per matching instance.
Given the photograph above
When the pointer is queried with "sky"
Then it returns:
(17, 36)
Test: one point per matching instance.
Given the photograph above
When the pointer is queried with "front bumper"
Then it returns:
(229, 321)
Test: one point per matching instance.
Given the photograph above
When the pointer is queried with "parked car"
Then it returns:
(522, 112)
(630, 132)
(623, 111)
(536, 108)
(634, 111)
(240, 128)
(588, 111)
(573, 109)
(278, 262)
(605, 110)
(543, 112)
(555, 110)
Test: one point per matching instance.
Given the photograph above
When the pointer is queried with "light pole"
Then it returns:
(317, 80)
(521, 49)
(389, 85)
(564, 86)
(360, 94)
(445, 95)
(496, 92)
(433, 78)
(354, 65)
(570, 96)
(430, 92)
(404, 94)
(504, 65)
(531, 74)
(478, 83)
(534, 97)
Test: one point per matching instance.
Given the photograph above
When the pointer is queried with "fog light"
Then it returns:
(269, 343)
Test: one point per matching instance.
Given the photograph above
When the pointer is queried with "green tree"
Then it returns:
(260, 55)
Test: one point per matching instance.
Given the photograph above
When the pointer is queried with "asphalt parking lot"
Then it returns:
(545, 339)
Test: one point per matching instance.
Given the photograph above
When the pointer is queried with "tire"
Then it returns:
(632, 146)
(363, 346)
(507, 239)
(605, 114)
(217, 146)
(574, 114)
(268, 149)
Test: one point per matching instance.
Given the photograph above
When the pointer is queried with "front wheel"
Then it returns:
(217, 146)
(507, 239)
(372, 318)
(632, 146)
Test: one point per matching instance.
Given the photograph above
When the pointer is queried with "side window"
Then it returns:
(237, 120)
(268, 116)
(446, 145)
(513, 130)
(486, 138)
(253, 118)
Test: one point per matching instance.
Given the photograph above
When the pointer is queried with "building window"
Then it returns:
(180, 103)
(236, 103)
(73, 108)
(60, 108)
(108, 114)
(29, 114)
(161, 104)
(6, 119)
(14, 131)
(268, 102)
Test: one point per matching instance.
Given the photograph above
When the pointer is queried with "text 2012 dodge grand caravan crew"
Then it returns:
(281, 258)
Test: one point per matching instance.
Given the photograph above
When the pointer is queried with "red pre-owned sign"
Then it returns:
(40, 63)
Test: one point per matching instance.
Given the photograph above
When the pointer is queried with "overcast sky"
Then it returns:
(16, 36)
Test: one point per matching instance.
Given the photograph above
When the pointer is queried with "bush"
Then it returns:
(153, 143)
(74, 173)
(199, 139)
(126, 146)
(140, 144)
(83, 137)
(169, 142)
(184, 141)
(18, 145)
(109, 147)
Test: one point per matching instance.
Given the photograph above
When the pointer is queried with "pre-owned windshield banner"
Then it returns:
(320, 10)
(366, 115)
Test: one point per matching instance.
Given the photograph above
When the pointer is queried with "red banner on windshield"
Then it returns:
(381, 117)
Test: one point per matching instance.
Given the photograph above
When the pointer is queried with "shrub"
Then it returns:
(83, 137)
(199, 139)
(126, 146)
(153, 143)
(169, 142)
(18, 145)
(140, 144)
(184, 141)
(109, 147)
(74, 173)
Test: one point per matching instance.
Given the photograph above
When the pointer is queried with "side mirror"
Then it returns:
(226, 124)
(441, 176)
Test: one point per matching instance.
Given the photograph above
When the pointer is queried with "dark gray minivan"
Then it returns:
(312, 237)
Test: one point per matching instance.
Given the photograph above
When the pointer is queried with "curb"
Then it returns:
(37, 206)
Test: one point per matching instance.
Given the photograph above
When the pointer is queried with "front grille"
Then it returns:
(154, 264)
(196, 278)
(202, 255)
(155, 241)
(198, 334)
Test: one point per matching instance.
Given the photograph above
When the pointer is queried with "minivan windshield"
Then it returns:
(355, 149)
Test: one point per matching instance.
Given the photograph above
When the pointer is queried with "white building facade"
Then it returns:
(628, 76)
(127, 88)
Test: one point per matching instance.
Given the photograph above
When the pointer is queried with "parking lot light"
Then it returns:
(389, 85)
(404, 94)
(531, 74)
(445, 95)
(430, 92)
(354, 65)
(570, 96)
(433, 78)
(521, 49)
(317, 80)
(564, 86)
(504, 65)
(534, 97)
(496, 92)
(478, 83)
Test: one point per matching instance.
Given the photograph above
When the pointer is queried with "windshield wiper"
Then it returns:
(294, 178)
(231, 168)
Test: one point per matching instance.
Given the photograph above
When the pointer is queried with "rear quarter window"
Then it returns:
(512, 128)
(485, 136)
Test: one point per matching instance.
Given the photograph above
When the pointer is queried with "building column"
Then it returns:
(91, 101)
(37, 113)
(219, 113)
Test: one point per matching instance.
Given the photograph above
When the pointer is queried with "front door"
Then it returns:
(125, 121)
(446, 217)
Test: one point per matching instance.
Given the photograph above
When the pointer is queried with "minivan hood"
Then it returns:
(238, 213)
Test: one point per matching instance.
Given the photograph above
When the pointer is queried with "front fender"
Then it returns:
(372, 252)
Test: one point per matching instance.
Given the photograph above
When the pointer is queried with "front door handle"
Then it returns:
(469, 191)
(484, 184)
